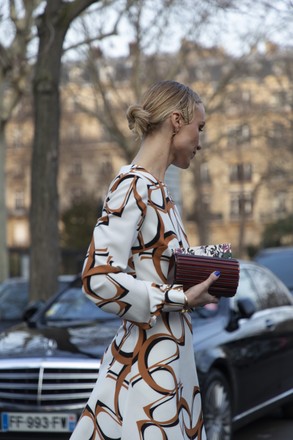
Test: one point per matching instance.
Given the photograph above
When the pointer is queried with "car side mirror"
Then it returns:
(246, 307)
(31, 309)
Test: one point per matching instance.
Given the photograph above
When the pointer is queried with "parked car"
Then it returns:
(280, 261)
(243, 346)
(14, 299)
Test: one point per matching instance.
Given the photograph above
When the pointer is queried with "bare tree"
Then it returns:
(17, 24)
(53, 25)
(263, 128)
(118, 82)
(156, 28)
(232, 72)
(193, 63)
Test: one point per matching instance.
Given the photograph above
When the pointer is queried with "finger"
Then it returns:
(214, 299)
(212, 278)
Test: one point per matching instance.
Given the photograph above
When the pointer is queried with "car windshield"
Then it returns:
(281, 264)
(73, 305)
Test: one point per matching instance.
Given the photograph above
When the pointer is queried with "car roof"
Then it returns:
(15, 280)
(275, 250)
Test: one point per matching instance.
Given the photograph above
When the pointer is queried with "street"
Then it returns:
(271, 427)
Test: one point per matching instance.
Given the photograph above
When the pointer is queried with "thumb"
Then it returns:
(213, 277)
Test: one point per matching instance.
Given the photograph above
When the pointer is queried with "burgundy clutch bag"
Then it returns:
(188, 268)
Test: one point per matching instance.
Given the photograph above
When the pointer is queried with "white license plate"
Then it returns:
(49, 422)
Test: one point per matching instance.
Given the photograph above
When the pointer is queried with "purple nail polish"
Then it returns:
(218, 273)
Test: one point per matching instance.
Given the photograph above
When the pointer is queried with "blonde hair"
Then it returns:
(158, 103)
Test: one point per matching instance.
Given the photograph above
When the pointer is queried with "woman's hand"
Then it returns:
(198, 295)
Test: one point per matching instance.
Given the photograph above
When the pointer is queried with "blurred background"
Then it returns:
(68, 72)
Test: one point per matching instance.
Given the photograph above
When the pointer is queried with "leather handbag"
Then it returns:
(188, 268)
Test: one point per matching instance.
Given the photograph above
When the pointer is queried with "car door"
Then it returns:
(264, 341)
(277, 309)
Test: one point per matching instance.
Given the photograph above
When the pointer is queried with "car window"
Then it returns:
(246, 289)
(270, 292)
(281, 264)
(12, 289)
(13, 300)
(73, 305)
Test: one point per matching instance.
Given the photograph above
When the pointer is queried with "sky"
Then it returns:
(234, 31)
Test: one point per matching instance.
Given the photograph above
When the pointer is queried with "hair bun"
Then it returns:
(138, 119)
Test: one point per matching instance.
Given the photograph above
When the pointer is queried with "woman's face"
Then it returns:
(186, 142)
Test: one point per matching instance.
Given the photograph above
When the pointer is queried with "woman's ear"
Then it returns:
(176, 121)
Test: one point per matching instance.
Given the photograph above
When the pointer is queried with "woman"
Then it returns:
(147, 386)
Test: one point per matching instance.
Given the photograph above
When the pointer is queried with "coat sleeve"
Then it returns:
(107, 276)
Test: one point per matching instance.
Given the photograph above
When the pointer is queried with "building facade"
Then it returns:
(240, 181)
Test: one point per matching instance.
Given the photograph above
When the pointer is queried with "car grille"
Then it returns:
(47, 385)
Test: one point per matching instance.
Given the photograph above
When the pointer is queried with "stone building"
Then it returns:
(241, 180)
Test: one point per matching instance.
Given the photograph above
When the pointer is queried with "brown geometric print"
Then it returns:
(147, 387)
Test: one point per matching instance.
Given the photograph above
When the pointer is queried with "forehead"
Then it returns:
(199, 113)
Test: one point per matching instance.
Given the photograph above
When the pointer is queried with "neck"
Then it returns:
(153, 155)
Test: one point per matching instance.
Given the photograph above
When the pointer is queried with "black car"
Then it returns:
(280, 261)
(243, 346)
(14, 298)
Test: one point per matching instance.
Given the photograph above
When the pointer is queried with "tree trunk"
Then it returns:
(44, 216)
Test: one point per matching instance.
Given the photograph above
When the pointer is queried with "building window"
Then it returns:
(205, 173)
(280, 98)
(19, 200)
(240, 172)
(20, 234)
(75, 195)
(105, 169)
(76, 168)
(238, 135)
(280, 202)
(241, 204)
(246, 96)
(73, 132)
(206, 203)
(279, 134)
(17, 137)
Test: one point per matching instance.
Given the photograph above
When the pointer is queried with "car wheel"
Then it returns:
(217, 407)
